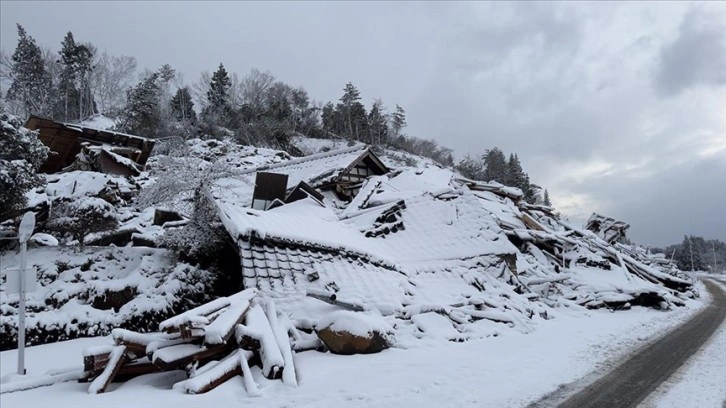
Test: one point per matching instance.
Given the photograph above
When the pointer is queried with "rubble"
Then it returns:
(213, 343)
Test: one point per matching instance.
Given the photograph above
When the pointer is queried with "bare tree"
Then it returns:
(110, 79)
(200, 90)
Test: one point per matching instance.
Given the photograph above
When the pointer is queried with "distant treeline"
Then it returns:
(697, 253)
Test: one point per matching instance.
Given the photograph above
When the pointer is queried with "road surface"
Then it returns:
(631, 382)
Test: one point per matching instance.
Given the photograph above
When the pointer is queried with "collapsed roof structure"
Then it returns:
(417, 240)
(75, 147)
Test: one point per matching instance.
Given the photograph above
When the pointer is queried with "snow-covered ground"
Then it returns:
(701, 382)
(511, 370)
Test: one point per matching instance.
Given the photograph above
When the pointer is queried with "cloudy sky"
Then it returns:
(618, 108)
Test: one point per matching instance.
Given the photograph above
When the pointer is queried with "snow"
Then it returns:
(269, 351)
(700, 382)
(424, 374)
(223, 325)
(226, 365)
(99, 383)
(289, 376)
(358, 324)
(98, 121)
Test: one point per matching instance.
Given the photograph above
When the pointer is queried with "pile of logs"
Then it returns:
(212, 343)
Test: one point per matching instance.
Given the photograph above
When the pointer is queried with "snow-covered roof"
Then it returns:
(317, 170)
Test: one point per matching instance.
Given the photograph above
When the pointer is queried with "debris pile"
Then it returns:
(213, 343)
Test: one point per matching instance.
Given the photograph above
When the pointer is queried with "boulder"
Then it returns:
(347, 332)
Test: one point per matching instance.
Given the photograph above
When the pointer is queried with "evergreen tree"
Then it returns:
(351, 108)
(377, 124)
(398, 121)
(31, 82)
(67, 92)
(546, 200)
(515, 174)
(300, 109)
(182, 106)
(75, 99)
(689, 258)
(218, 109)
(332, 117)
(142, 113)
(495, 166)
(21, 155)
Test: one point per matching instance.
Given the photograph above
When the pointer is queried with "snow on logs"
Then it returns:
(214, 343)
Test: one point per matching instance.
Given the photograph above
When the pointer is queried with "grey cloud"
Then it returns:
(696, 57)
(685, 199)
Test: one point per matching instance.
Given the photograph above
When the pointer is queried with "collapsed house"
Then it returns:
(414, 241)
(75, 147)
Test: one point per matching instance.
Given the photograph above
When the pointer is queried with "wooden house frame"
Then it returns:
(66, 141)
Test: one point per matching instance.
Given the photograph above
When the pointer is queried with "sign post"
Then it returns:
(27, 225)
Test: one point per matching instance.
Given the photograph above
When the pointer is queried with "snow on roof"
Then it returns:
(381, 245)
(423, 238)
(316, 170)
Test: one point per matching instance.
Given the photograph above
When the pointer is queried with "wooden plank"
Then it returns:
(116, 360)
(226, 369)
(179, 356)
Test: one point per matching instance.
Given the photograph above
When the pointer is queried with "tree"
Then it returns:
(332, 117)
(377, 124)
(141, 115)
(218, 96)
(546, 201)
(351, 107)
(31, 82)
(182, 106)
(495, 166)
(471, 167)
(253, 89)
(21, 155)
(81, 217)
(515, 175)
(398, 121)
(110, 79)
(74, 88)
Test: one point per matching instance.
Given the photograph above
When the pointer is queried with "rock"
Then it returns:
(347, 332)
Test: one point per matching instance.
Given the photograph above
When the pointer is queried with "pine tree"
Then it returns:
(182, 106)
(515, 174)
(31, 82)
(68, 94)
(398, 121)
(74, 88)
(377, 124)
(351, 108)
(142, 113)
(495, 166)
(21, 155)
(218, 109)
(546, 201)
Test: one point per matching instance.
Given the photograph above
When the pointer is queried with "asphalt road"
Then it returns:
(631, 382)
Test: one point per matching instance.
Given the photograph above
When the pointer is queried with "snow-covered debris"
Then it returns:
(609, 229)
(207, 365)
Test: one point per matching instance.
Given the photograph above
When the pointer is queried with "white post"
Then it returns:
(21, 311)
(690, 246)
(25, 230)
